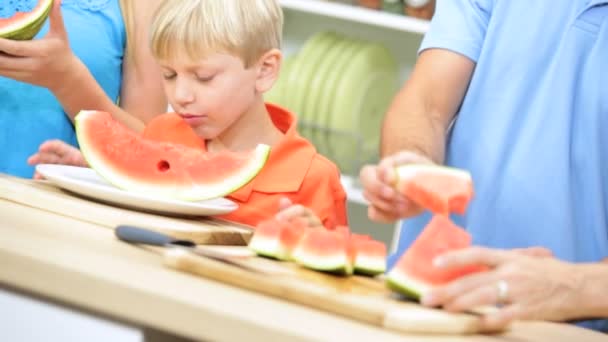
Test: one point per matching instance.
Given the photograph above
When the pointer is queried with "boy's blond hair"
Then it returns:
(245, 28)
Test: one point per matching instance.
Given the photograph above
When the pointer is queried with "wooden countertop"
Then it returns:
(84, 265)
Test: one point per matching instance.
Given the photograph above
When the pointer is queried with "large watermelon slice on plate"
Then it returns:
(24, 25)
(170, 127)
(158, 168)
(414, 273)
(437, 188)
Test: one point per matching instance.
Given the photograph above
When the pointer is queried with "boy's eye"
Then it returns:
(205, 78)
(169, 76)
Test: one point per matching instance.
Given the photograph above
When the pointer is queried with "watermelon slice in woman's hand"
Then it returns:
(414, 274)
(440, 189)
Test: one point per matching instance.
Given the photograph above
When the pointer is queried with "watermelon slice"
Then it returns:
(290, 237)
(369, 256)
(277, 239)
(170, 127)
(437, 188)
(414, 273)
(162, 169)
(265, 240)
(324, 250)
(25, 25)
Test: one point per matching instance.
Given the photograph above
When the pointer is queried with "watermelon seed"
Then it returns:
(163, 166)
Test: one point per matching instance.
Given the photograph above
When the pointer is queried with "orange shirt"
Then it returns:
(294, 170)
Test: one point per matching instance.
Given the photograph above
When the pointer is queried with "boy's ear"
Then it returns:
(268, 70)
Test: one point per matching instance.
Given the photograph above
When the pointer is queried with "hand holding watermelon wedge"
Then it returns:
(44, 62)
(386, 204)
(529, 284)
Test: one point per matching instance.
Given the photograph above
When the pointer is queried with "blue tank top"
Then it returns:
(30, 115)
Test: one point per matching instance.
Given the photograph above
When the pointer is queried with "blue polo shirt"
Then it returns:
(533, 127)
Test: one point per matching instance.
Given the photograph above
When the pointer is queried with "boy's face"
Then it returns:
(210, 94)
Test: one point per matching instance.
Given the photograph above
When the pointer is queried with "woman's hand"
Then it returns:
(385, 203)
(56, 152)
(45, 62)
(527, 283)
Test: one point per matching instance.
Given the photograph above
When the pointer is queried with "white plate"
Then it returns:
(85, 181)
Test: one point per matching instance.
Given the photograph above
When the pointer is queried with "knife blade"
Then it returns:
(139, 235)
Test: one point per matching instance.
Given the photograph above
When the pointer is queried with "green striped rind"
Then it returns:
(194, 192)
(404, 284)
(267, 247)
(369, 266)
(338, 264)
(27, 28)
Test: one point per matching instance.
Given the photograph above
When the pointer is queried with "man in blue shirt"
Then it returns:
(525, 86)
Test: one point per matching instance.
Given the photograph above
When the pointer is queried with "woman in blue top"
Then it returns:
(524, 83)
(87, 56)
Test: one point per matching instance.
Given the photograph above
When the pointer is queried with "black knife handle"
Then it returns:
(147, 236)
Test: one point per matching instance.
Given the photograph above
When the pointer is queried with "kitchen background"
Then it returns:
(344, 62)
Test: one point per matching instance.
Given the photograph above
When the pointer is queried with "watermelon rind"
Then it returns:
(410, 170)
(190, 192)
(336, 264)
(29, 25)
(267, 247)
(401, 282)
(370, 266)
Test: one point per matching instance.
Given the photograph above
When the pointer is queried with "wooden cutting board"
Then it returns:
(360, 298)
(43, 195)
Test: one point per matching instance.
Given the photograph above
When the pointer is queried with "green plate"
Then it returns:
(325, 100)
(303, 70)
(298, 74)
(276, 94)
(310, 71)
(362, 96)
(312, 98)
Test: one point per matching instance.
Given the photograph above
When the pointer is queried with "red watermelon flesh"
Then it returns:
(159, 168)
(414, 272)
(343, 230)
(172, 128)
(440, 189)
(290, 235)
(323, 250)
(265, 239)
(353, 240)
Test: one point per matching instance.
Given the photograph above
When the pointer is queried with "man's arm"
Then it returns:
(593, 296)
(420, 114)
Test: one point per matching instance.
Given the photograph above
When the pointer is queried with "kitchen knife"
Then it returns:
(139, 235)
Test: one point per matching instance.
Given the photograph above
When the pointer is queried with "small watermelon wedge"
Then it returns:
(25, 25)
(266, 239)
(290, 236)
(440, 189)
(324, 250)
(158, 168)
(369, 256)
(414, 273)
(172, 128)
(276, 238)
